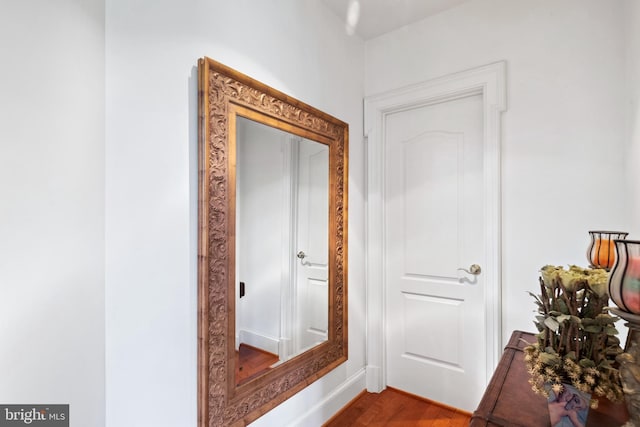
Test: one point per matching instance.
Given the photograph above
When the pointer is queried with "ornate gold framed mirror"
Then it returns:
(272, 249)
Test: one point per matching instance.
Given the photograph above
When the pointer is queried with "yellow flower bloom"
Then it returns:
(557, 388)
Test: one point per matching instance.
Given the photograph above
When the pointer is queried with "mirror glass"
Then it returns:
(282, 217)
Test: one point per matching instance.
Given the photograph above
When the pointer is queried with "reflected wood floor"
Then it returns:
(394, 408)
(251, 362)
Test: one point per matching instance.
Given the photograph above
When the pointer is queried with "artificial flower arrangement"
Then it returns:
(577, 342)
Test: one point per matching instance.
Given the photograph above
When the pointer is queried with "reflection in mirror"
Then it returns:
(282, 208)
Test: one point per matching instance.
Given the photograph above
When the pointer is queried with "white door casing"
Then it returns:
(488, 82)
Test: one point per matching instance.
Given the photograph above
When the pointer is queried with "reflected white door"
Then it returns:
(312, 244)
(435, 323)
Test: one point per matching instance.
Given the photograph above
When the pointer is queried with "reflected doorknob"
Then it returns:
(301, 255)
(474, 269)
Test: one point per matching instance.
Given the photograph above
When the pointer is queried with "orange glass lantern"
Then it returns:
(602, 252)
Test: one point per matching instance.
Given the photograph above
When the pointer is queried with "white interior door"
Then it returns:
(312, 246)
(434, 226)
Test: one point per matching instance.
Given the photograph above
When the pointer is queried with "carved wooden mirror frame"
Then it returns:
(224, 93)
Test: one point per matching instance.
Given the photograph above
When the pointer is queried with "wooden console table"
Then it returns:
(510, 402)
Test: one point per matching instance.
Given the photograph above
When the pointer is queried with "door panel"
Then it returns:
(434, 226)
(318, 314)
(437, 347)
(430, 191)
(313, 223)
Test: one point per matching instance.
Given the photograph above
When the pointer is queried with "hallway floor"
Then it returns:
(394, 408)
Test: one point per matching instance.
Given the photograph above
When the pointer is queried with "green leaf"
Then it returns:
(612, 342)
(611, 330)
(552, 324)
(561, 306)
(549, 359)
(604, 365)
(605, 319)
(536, 297)
(593, 329)
(612, 351)
(587, 363)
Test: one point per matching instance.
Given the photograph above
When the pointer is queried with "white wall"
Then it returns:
(52, 205)
(562, 145)
(296, 46)
(563, 141)
(260, 230)
(632, 44)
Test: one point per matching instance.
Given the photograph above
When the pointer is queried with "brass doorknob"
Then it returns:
(474, 269)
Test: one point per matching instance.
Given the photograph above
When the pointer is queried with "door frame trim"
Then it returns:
(490, 81)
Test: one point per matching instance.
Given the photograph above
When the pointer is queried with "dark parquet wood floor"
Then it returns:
(252, 362)
(394, 408)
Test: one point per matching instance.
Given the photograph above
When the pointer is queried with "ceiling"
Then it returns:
(377, 17)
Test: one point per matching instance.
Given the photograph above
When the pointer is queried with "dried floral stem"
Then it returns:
(576, 342)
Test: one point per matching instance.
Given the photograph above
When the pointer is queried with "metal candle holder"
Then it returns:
(601, 251)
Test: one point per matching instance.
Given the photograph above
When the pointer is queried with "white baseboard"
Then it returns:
(255, 339)
(336, 400)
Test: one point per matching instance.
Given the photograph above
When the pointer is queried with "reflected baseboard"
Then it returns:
(258, 340)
